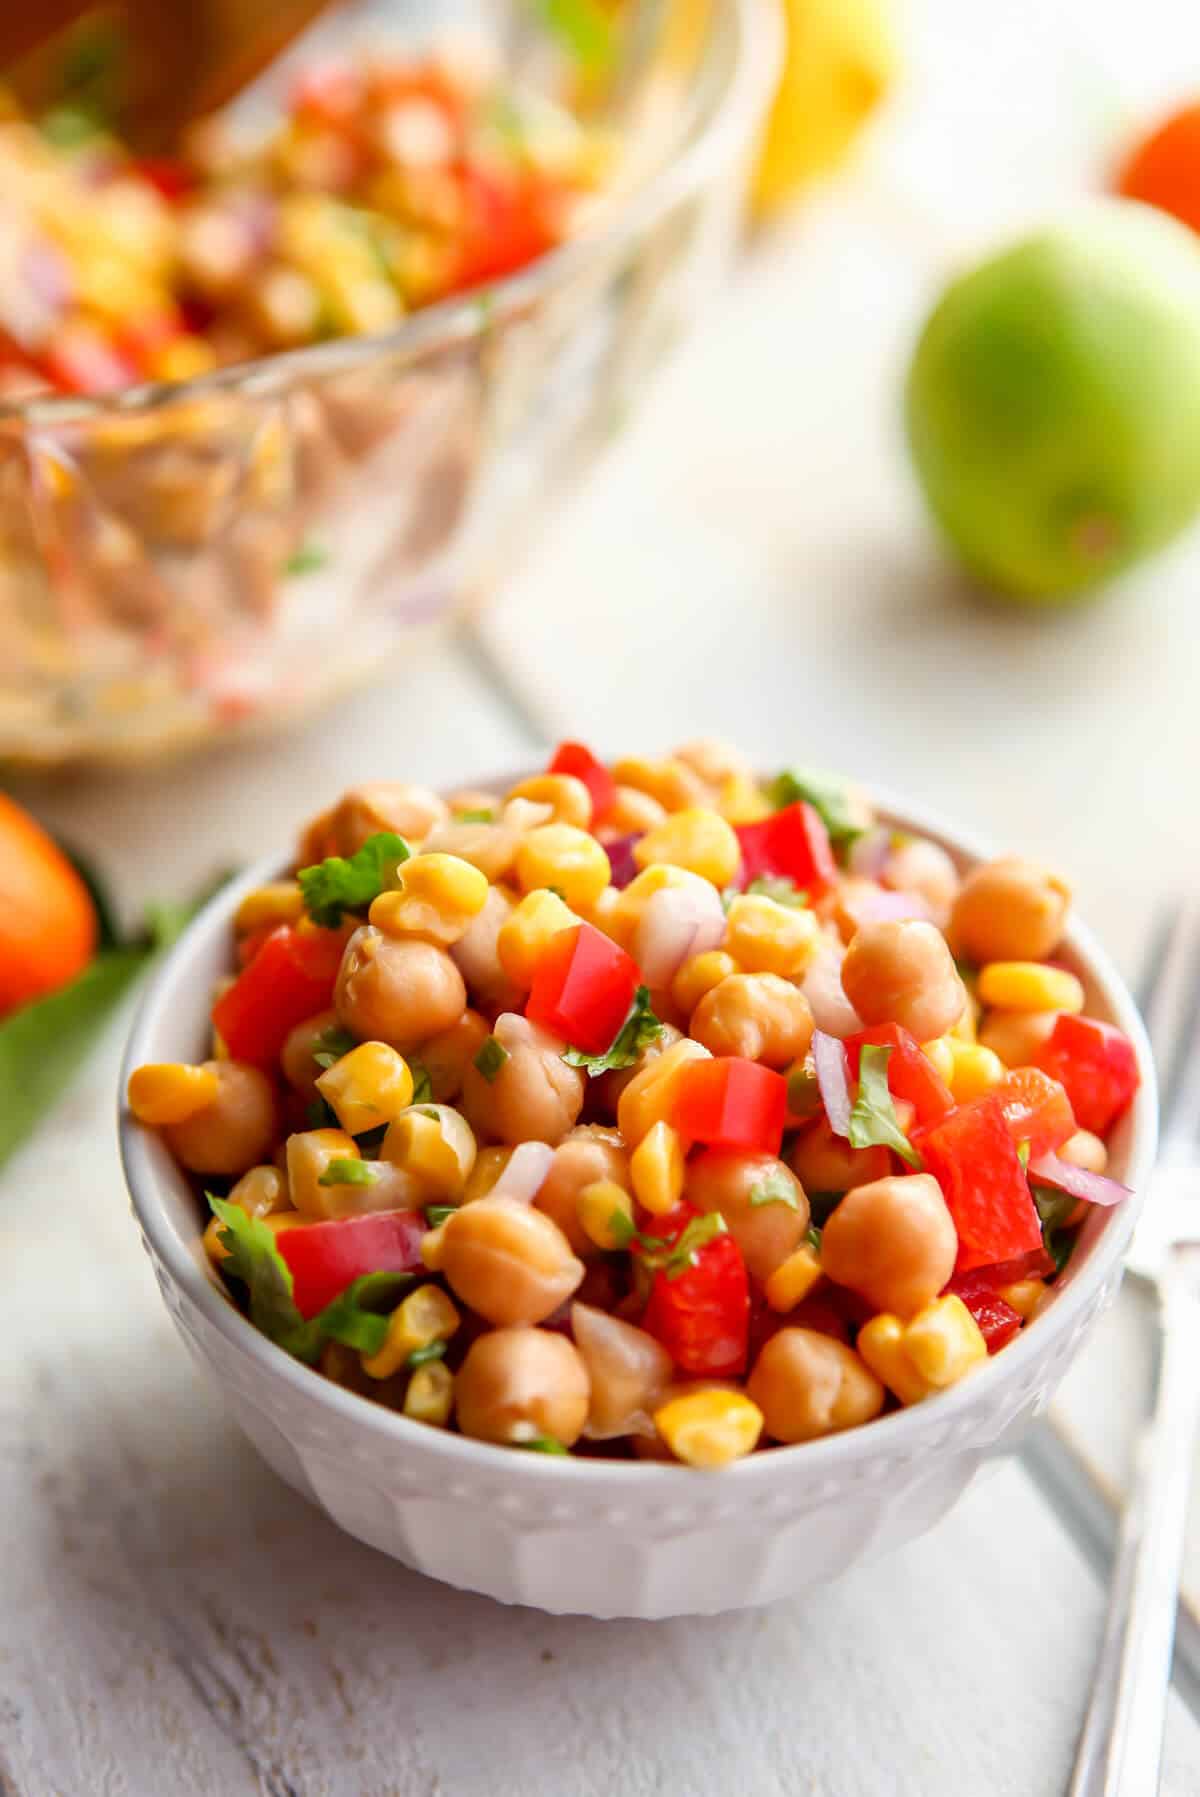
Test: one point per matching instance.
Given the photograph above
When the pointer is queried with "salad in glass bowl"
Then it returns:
(644, 1110)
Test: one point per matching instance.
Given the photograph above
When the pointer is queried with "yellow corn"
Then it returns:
(489, 1165)
(633, 812)
(792, 1279)
(1024, 1295)
(567, 858)
(433, 1248)
(261, 1191)
(700, 975)
(430, 1394)
(649, 1098)
(940, 1055)
(671, 782)
(764, 936)
(944, 1341)
(526, 931)
(603, 910)
(279, 902)
(435, 1144)
(437, 897)
(656, 1169)
(217, 1252)
(426, 1315)
(697, 839)
(881, 1344)
(569, 799)
(605, 1212)
(710, 1428)
(1029, 986)
(740, 800)
(369, 1086)
(974, 1070)
(168, 1092)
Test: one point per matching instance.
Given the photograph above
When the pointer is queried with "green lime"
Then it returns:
(1053, 402)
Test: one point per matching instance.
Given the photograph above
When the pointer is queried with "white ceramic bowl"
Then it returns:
(612, 1538)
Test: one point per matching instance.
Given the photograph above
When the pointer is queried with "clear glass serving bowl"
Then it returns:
(180, 562)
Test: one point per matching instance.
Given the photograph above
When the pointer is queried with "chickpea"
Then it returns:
(447, 1056)
(627, 1369)
(671, 782)
(807, 1384)
(569, 800)
(925, 868)
(715, 761)
(632, 813)
(589, 1154)
(904, 973)
(517, 1384)
(478, 958)
(296, 1058)
(508, 1261)
(823, 1162)
(309, 1153)
(262, 1192)
(533, 1097)
(893, 1242)
(409, 811)
(758, 1015)
(761, 1200)
(1009, 910)
(1083, 1149)
(232, 1133)
(398, 991)
(492, 848)
(1016, 1036)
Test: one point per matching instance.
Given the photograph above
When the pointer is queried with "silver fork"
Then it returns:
(1120, 1749)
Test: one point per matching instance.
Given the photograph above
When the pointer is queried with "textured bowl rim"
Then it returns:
(754, 63)
(147, 1167)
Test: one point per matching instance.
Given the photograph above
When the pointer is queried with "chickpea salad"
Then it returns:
(644, 1110)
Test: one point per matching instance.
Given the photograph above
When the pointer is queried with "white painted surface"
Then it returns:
(172, 1619)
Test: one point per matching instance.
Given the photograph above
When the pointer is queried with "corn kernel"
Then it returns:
(740, 800)
(649, 1098)
(764, 936)
(1029, 986)
(260, 1192)
(425, 1316)
(974, 1070)
(167, 1092)
(279, 902)
(603, 909)
(671, 782)
(569, 799)
(940, 1055)
(710, 1428)
(436, 1145)
(656, 1169)
(430, 1394)
(792, 1279)
(433, 1249)
(567, 858)
(605, 1212)
(1024, 1295)
(525, 932)
(697, 839)
(881, 1344)
(485, 1174)
(700, 975)
(367, 1087)
(437, 897)
(632, 812)
(943, 1341)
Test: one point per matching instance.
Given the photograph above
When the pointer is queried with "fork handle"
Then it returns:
(1120, 1749)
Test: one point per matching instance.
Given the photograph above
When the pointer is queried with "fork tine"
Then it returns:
(1172, 1014)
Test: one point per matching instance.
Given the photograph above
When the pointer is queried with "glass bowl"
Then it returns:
(177, 563)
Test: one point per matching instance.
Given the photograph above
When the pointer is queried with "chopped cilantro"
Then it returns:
(777, 1188)
(622, 1227)
(347, 1172)
(491, 1058)
(422, 1084)
(436, 1214)
(674, 1258)
(640, 1028)
(306, 559)
(812, 1236)
(782, 890)
(1054, 1208)
(422, 1356)
(337, 884)
(873, 1118)
(331, 1045)
(829, 800)
(474, 817)
(542, 1444)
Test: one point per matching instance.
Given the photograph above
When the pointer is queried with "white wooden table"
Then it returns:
(752, 556)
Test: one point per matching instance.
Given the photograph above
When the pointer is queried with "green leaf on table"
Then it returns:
(830, 800)
(341, 883)
(640, 1028)
(873, 1117)
(583, 28)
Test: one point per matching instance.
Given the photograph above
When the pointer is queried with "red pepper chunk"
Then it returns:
(575, 759)
(911, 1075)
(700, 1313)
(1096, 1064)
(731, 1103)
(1036, 1109)
(998, 1321)
(325, 1258)
(583, 986)
(792, 844)
(290, 978)
(974, 1159)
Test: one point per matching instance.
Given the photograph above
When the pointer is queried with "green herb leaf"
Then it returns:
(542, 1444)
(777, 1188)
(422, 1084)
(873, 1118)
(422, 1356)
(474, 817)
(1054, 1208)
(491, 1057)
(812, 1236)
(436, 1214)
(640, 1028)
(358, 1317)
(306, 560)
(782, 890)
(829, 800)
(347, 1172)
(583, 28)
(331, 1045)
(623, 1228)
(337, 884)
(674, 1258)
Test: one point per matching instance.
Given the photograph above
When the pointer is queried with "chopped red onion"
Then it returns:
(525, 1172)
(868, 853)
(822, 987)
(829, 1059)
(677, 922)
(620, 859)
(1078, 1182)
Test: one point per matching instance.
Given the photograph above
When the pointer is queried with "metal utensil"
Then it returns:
(1120, 1749)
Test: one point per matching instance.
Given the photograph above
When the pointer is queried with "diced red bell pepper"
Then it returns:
(503, 228)
(171, 178)
(974, 1159)
(998, 1321)
(792, 844)
(327, 1257)
(249, 944)
(1036, 1109)
(730, 1102)
(577, 760)
(700, 1314)
(911, 1075)
(290, 978)
(1096, 1064)
(583, 986)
